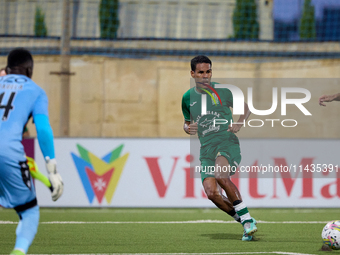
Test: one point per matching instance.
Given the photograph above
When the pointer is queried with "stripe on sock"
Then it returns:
(243, 212)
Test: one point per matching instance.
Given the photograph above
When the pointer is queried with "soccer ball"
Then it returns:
(331, 234)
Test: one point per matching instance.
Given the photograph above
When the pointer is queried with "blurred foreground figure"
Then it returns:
(21, 98)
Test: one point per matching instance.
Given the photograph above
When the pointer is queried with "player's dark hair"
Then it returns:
(20, 61)
(199, 60)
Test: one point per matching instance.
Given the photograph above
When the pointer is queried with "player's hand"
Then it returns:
(55, 179)
(325, 98)
(193, 128)
(234, 128)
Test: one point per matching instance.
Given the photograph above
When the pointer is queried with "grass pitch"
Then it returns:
(98, 231)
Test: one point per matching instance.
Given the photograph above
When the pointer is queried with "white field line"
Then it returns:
(167, 222)
(219, 253)
(177, 211)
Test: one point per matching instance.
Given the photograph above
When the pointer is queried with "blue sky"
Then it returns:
(289, 10)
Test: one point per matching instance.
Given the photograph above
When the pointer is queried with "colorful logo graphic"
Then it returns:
(100, 177)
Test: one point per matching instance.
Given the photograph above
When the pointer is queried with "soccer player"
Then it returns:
(20, 98)
(329, 98)
(33, 168)
(219, 145)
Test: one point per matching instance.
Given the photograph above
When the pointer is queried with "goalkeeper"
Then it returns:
(34, 170)
(22, 98)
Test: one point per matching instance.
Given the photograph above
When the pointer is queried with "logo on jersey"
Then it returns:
(207, 122)
(214, 96)
(100, 176)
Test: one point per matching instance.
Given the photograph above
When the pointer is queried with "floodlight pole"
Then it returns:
(64, 129)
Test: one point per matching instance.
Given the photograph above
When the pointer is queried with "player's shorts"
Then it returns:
(16, 186)
(230, 150)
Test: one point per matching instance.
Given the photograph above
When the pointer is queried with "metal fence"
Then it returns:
(139, 28)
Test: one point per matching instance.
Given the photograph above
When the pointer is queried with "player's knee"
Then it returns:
(223, 180)
(30, 219)
(213, 195)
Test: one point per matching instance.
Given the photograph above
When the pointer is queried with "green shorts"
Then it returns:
(208, 155)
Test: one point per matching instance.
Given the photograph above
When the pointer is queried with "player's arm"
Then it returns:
(237, 126)
(329, 98)
(189, 128)
(44, 135)
(46, 144)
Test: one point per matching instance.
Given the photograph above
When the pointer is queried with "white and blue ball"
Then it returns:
(331, 234)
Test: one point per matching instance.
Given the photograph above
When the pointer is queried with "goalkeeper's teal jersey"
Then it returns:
(218, 111)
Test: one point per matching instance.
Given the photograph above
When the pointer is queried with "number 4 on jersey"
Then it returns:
(7, 106)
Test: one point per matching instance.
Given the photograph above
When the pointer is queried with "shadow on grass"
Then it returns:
(224, 236)
(227, 236)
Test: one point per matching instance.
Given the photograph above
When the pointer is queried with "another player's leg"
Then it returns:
(211, 190)
(36, 174)
(237, 218)
(17, 191)
(26, 230)
(223, 179)
(232, 212)
(214, 193)
(222, 202)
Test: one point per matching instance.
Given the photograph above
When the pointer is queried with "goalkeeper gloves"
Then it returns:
(57, 185)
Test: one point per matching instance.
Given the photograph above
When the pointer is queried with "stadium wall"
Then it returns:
(123, 97)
